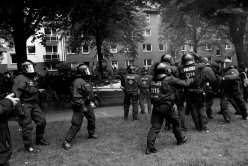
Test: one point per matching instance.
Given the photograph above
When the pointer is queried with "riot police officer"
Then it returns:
(145, 91)
(179, 101)
(230, 88)
(209, 93)
(131, 84)
(194, 93)
(82, 96)
(25, 87)
(163, 98)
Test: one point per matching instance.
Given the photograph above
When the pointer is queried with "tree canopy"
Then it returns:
(231, 13)
(102, 23)
(22, 18)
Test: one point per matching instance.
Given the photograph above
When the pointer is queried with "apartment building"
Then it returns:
(56, 50)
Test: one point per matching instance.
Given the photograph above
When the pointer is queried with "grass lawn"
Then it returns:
(122, 143)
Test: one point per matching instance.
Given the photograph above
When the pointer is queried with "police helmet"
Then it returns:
(161, 70)
(83, 70)
(28, 67)
(187, 59)
(166, 58)
(131, 69)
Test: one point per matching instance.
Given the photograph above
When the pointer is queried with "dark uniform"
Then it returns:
(209, 97)
(163, 98)
(195, 94)
(82, 94)
(145, 93)
(26, 88)
(230, 88)
(179, 101)
(132, 85)
(6, 108)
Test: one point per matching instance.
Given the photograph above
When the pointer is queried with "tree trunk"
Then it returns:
(19, 33)
(20, 48)
(237, 26)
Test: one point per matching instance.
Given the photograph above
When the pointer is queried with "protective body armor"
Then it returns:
(131, 84)
(161, 91)
(194, 72)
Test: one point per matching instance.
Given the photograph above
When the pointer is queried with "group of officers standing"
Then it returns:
(166, 87)
(169, 86)
(22, 102)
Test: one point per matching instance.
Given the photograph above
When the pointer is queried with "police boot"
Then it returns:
(42, 141)
(66, 145)
(150, 150)
(31, 149)
(184, 140)
(93, 136)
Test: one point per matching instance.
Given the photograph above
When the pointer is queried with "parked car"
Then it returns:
(109, 94)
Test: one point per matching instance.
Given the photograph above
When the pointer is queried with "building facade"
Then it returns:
(56, 50)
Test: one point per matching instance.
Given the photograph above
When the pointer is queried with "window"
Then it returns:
(85, 49)
(228, 58)
(208, 46)
(70, 51)
(161, 47)
(228, 46)
(147, 47)
(14, 58)
(129, 62)
(147, 62)
(87, 63)
(114, 64)
(51, 49)
(51, 66)
(148, 18)
(217, 52)
(31, 49)
(50, 35)
(147, 32)
(51, 57)
(183, 48)
(113, 49)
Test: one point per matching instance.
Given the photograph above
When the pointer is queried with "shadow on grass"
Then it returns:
(123, 143)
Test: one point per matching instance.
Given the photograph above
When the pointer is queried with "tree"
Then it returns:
(231, 13)
(100, 23)
(22, 18)
(179, 28)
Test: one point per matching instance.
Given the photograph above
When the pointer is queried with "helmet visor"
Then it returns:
(29, 68)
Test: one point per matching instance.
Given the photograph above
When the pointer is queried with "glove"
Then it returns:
(14, 99)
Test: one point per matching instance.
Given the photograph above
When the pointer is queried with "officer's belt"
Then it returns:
(195, 90)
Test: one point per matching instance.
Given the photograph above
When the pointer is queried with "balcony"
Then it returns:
(51, 57)
(51, 38)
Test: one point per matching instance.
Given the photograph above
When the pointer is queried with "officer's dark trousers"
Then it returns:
(209, 103)
(196, 102)
(235, 106)
(145, 98)
(32, 112)
(5, 164)
(159, 113)
(180, 108)
(127, 101)
(238, 99)
(77, 119)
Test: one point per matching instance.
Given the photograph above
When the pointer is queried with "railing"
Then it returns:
(51, 57)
